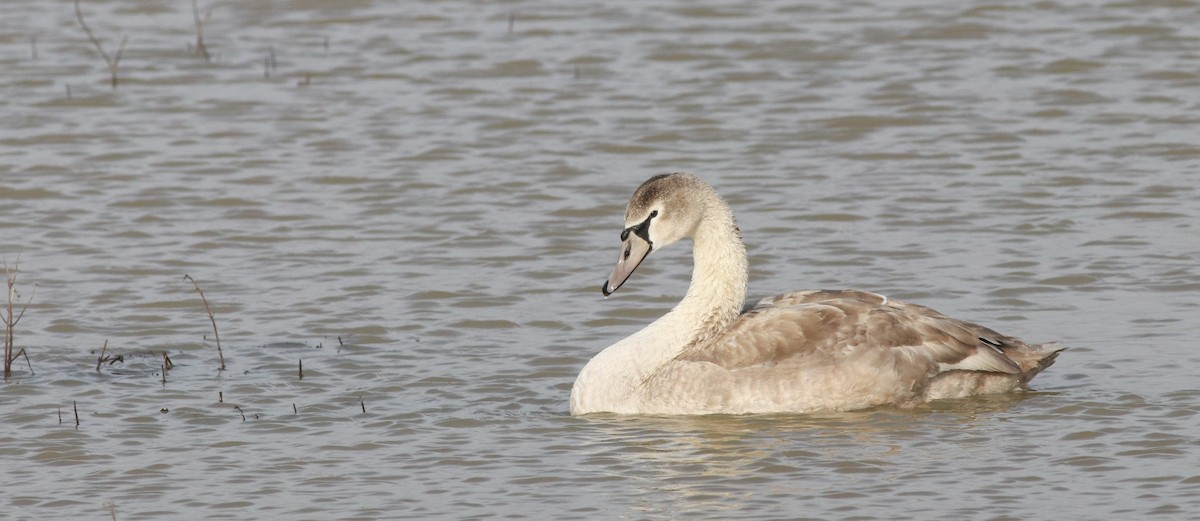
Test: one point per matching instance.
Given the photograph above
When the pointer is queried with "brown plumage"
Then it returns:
(795, 352)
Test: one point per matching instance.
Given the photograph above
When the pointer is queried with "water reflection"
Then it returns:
(712, 464)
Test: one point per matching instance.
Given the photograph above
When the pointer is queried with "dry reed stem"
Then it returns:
(114, 62)
(10, 322)
(239, 410)
(22, 354)
(200, 46)
(75, 406)
(100, 359)
(212, 319)
(301, 368)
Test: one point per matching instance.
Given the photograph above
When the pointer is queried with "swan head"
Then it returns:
(665, 209)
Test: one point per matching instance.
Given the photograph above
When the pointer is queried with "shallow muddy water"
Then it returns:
(419, 201)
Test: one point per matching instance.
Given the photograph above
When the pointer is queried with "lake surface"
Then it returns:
(419, 201)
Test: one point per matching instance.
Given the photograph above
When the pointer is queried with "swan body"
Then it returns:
(792, 353)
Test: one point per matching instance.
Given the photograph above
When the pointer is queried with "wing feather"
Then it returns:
(815, 328)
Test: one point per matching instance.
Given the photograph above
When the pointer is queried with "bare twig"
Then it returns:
(112, 508)
(167, 361)
(22, 354)
(114, 62)
(100, 359)
(301, 368)
(10, 321)
(200, 46)
(212, 319)
(362, 403)
(243, 413)
(75, 406)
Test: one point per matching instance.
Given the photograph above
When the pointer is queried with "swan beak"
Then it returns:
(633, 250)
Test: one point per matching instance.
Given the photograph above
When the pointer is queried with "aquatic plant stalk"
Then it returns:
(114, 62)
(200, 46)
(211, 318)
(10, 321)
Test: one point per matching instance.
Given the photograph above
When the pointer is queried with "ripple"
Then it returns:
(417, 202)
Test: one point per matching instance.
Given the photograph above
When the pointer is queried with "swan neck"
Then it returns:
(718, 289)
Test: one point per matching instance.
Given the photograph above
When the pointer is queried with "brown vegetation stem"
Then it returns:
(114, 62)
(212, 319)
(10, 322)
(200, 46)
(100, 359)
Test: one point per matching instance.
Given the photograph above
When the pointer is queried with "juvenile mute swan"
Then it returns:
(795, 352)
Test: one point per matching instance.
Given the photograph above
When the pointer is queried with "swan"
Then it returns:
(797, 352)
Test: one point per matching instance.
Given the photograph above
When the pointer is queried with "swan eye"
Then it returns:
(628, 250)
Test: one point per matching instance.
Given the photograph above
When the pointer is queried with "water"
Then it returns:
(420, 201)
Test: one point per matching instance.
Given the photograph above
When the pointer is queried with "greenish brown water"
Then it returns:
(421, 203)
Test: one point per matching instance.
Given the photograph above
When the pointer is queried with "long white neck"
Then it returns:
(714, 299)
(718, 289)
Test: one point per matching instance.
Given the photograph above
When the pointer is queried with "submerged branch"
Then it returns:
(10, 321)
(114, 62)
(200, 46)
(211, 318)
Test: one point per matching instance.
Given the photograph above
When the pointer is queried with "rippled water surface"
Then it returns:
(419, 201)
